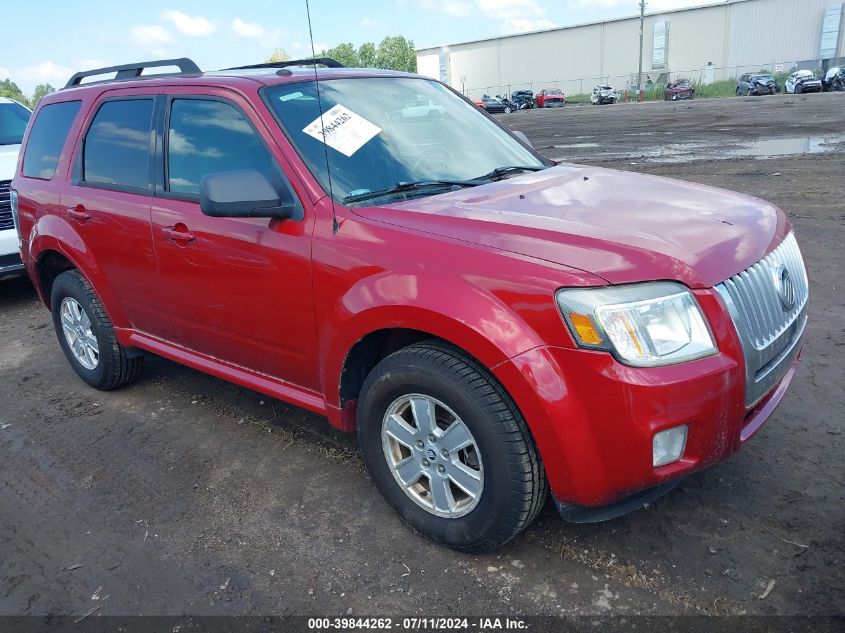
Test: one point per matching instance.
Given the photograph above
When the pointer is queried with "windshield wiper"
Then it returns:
(416, 185)
(497, 173)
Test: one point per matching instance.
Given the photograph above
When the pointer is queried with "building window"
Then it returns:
(661, 40)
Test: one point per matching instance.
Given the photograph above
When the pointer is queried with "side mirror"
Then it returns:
(521, 136)
(245, 193)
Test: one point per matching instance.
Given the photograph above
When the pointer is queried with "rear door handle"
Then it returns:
(78, 213)
(178, 233)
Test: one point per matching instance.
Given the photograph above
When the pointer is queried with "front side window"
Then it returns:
(47, 138)
(372, 145)
(117, 146)
(206, 137)
(13, 120)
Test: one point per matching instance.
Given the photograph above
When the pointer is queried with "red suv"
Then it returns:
(490, 324)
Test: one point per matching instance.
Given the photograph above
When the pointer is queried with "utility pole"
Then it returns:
(640, 69)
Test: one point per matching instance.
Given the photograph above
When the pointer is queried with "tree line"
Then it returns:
(10, 89)
(392, 53)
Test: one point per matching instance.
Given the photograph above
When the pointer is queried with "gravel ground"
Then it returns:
(182, 494)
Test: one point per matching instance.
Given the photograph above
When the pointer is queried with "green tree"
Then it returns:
(10, 89)
(41, 90)
(278, 55)
(344, 53)
(367, 55)
(397, 53)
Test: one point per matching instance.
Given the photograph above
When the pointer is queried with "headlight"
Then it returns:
(642, 324)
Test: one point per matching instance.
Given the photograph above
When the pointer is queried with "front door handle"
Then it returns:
(178, 234)
(78, 213)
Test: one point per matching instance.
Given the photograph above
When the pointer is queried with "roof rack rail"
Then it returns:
(328, 62)
(133, 71)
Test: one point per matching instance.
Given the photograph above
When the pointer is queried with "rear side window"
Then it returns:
(47, 138)
(117, 146)
(207, 137)
(13, 120)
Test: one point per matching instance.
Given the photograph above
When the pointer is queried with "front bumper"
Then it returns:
(594, 418)
(553, 104)
(10, 258)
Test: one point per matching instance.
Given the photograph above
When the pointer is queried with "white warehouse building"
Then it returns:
(707, 43)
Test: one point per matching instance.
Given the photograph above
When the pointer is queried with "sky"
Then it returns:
(46, 41)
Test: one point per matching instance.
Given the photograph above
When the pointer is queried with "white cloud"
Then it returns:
(652, 6)
(150, 35)
(247, 29)
(5, 73)
(193, 26)
(45, 72)
(521, 25)
(367, 22)
(518, 15)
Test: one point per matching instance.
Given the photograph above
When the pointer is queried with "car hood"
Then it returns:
(622, 226)
(8, 161)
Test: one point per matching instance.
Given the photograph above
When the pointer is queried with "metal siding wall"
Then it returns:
(737, 36)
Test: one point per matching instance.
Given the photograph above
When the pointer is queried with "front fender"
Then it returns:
(450, 308)
(54, 233)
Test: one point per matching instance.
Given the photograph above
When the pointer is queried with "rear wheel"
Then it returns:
(86, 334)
(448, 449)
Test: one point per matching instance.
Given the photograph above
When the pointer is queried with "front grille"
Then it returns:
(6, 221)
(769, 311)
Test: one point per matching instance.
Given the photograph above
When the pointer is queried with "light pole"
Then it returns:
(640, 68)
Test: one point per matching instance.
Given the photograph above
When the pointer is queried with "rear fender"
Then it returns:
(53, 233)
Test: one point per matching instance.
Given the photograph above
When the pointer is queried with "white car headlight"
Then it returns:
(644, 325)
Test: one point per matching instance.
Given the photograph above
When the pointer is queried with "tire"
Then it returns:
(799, 89)
(512, 486)
(748, 92)
(508, 109)
(110, 366)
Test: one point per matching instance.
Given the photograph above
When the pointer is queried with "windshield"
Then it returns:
(384, 131)
(553, 92)
(762, 77)
(13, 120)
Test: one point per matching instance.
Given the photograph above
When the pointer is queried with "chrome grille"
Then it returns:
(769, 310)
(6, 221)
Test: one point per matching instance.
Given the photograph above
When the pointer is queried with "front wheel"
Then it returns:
(508, 109)
(448, 448)
(86, 334)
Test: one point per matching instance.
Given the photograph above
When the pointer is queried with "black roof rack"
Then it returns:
(328, 62)
(133, 71)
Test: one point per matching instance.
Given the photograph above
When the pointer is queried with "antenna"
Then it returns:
(335, 225)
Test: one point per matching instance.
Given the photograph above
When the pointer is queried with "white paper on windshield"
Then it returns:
(342, 129)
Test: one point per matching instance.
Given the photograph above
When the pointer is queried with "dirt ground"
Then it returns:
(183, 494)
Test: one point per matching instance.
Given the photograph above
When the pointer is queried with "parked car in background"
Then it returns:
(755, 84)
(602, 95)
(493, 106)
(550, 98)
(508, 105)
(524, 99)
(13, 119)
(677, 90)
(834, 79)
(423, 109)
(802, 81)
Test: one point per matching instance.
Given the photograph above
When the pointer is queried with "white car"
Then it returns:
(802, 81)
(13, 120)
(423, 109)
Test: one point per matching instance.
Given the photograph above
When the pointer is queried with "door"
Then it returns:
(235, 289)
(108, 202)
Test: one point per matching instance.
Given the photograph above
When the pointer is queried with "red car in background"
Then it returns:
(550, 98)
(681, 89)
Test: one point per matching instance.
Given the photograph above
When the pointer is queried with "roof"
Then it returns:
(236, 78)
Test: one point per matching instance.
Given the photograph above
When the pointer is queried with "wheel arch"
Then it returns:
(478, 325)
(55, 247)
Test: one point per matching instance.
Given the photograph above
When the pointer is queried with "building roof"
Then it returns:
(704, 5)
